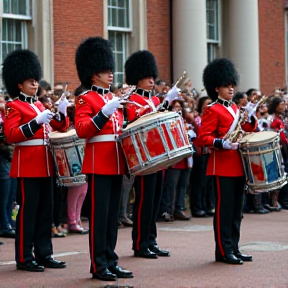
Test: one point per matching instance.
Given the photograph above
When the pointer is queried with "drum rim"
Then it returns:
(164, 116)
(61, 135)
(267, 187)
(246, 139)
(185, 152)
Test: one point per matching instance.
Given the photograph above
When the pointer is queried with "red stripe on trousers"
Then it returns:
(139, 214)
(91, 230)
(218, 217)
(21, 225)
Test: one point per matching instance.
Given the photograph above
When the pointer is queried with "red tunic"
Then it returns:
(135, 111)
(29, 161)
(105, 158)
(216, 122)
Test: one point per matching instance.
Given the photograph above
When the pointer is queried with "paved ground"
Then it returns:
(191, 263)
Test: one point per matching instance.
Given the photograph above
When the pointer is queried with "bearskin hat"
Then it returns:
(139, 65)
(94, 55)
(219, 72)
(19, 66)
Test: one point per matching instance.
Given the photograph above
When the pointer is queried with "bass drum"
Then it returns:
(262, 161)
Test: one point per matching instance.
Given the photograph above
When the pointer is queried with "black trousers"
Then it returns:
(228, 213)
(34, 219)
(104, 192)
(201, 191)
(148, 190)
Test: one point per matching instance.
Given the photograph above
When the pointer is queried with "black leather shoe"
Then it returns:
(244, 257)
(159, 251)
(31, 266)
(9, 233)
(120, 273)
(147, 253)
(51, 263)
(198, 213)
(180, 215)
(126, 221)
(229, 259)
(284, 204)
(261, 210)
(104, 275)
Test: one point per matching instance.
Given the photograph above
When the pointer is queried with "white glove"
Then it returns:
(228, 145)
(62, 106)
(172, 94)
(191, 134)
(44, 117)
(111, 106)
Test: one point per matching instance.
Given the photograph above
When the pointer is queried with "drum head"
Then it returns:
(152, 118)
(58, 135)
(259, 137)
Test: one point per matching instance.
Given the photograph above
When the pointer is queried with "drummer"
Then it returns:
(27, 124)
(220, 79)
(141, 71)
(99, 120)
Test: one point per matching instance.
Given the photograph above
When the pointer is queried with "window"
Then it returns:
(212, 18)
(13, 34)
(119, 27)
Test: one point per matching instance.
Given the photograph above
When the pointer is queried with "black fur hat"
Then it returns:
(219, 72)
(18, 66)
(139, 65)
(93, 55)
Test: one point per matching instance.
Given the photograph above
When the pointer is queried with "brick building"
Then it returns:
(183, 35)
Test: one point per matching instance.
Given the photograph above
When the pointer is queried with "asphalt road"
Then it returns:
(191, 263)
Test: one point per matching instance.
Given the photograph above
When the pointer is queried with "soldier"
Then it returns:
(27, 124)
(141, 71)
(220, 79)
(99, 120)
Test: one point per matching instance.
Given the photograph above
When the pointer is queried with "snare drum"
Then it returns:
(68, 152)
(262, 159)
(155, 141)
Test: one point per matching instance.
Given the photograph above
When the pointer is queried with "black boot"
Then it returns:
(258, 208)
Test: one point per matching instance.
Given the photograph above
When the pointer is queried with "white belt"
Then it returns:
(33, 142)
(103, 138)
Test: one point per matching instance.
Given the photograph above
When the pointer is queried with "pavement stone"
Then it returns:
(191, 264)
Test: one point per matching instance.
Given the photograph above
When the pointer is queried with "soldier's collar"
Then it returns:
(225, 103)
(143, 92)
(100, 90)
(26, 98)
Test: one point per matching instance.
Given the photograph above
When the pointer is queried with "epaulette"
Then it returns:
(211, 104)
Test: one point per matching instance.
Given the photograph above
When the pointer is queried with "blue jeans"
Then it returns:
(7, 196)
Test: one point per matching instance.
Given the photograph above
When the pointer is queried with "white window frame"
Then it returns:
(28, 10)
(125, 31)
(23, 19)
(213, 44)
(17, 17)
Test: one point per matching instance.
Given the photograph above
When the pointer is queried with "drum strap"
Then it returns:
(33, 142)
(103, 138)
